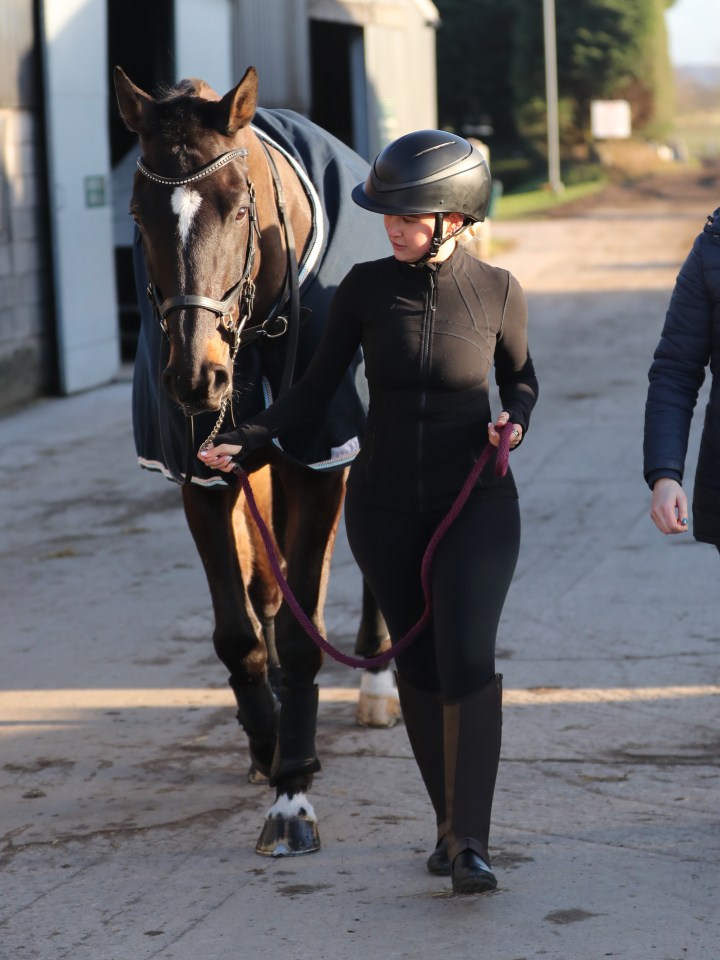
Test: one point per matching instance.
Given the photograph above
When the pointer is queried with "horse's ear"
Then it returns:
(237, 108)
(132, 102)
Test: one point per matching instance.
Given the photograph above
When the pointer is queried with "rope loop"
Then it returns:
(370, 663)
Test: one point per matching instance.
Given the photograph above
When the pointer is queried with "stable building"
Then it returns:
(363, 69)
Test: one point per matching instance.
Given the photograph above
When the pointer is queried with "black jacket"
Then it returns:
(430, 338)
(690, 342)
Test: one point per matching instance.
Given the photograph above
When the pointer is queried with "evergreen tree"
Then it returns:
(491, 63)
(474, 52)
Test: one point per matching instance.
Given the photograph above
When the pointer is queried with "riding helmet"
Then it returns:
(428, 171)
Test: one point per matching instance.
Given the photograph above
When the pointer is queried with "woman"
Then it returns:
(690, 342)
(432, 321)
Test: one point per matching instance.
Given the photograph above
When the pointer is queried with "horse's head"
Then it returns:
(193, 203)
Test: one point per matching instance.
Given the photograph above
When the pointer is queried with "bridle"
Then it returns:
(242, 292)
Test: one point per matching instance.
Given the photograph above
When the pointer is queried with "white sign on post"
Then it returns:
(610, 119)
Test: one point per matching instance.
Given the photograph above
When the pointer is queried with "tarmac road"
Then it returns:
(127, 826)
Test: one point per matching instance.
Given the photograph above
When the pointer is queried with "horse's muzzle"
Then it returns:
(201, 392)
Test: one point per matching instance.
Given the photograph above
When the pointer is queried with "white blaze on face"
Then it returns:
(185, 203)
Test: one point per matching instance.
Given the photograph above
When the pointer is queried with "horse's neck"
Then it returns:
(272, 256)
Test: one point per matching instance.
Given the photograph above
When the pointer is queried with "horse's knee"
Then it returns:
(243, 657)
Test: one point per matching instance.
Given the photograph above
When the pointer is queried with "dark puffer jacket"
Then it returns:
(690, 342)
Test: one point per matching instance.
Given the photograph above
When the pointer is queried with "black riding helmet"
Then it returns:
(428, 171)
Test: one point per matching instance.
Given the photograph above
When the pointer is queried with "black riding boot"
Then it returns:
(296, 740)
(258, 714)
(422, 712)
(473, 728)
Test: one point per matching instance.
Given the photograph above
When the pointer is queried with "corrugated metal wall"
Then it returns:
(272, 35)
(18, 86)
(399, 58)
(27, 355)
(399, 63)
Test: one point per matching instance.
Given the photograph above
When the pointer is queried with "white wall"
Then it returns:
(74, 53)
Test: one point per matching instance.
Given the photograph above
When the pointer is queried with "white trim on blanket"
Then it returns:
(157, 467)
(339, 456)
(306, 267)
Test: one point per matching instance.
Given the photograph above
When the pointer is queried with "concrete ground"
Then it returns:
(127, 827)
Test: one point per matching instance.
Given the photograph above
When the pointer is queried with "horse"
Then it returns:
(243, 230)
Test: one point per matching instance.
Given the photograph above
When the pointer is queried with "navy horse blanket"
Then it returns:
(346, 234)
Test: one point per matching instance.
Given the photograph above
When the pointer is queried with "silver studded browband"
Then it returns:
(197, 174)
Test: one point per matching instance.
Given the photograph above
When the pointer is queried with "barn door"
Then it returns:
(140, 40)
(339, 97)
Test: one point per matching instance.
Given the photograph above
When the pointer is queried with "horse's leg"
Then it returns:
(378, 702)
(314, 502)
(263, 588)
(217, 524)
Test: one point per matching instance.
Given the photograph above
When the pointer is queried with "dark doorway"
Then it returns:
(140, 40)
(338, 81)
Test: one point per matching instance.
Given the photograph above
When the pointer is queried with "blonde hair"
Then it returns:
(474, 239)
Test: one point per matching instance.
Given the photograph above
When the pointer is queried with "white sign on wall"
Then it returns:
(610, 119)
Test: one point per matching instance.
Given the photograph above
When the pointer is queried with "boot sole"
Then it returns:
(478, 884)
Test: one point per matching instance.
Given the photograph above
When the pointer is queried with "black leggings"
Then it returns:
(471, 574)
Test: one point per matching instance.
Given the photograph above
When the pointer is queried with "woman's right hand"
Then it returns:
(220, 457)
(669, 509)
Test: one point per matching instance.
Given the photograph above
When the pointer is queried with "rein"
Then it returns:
(369, 663)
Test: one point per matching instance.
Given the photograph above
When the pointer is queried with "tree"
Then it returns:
(474, 50)
(491, 62)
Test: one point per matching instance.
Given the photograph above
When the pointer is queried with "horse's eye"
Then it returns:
(241, 214)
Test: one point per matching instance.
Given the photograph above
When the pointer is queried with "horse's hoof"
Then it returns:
(378, 703)
(288, 837)
(257, 777)
(290, 829)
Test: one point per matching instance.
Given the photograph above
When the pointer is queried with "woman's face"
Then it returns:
(410, 236)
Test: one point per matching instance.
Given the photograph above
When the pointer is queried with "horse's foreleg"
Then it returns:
(314, 502)
(218, 527)
(378, 702)
(263, 588)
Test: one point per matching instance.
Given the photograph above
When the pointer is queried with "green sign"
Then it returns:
(95, 191)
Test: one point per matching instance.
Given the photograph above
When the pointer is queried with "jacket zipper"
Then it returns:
(427, 327)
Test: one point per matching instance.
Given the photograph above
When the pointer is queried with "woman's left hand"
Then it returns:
(494, 436)
(220, 457)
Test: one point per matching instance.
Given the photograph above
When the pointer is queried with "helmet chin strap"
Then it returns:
(437, 240)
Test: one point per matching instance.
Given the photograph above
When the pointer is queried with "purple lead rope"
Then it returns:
(368, 663)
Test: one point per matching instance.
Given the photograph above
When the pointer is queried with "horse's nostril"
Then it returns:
(222, 379)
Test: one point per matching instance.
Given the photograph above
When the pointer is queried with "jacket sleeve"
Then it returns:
(317, 386)
(514, 370)
(678, 369)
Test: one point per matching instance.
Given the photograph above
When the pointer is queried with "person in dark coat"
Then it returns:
(690, 343)
(434, 323)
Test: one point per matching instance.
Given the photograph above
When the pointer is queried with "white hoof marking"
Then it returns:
(286, 807)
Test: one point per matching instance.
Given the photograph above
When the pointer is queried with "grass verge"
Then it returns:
(513, 206)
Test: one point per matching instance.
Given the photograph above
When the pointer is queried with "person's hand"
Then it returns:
(669, 506)
(220, 457)
(494, 436)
